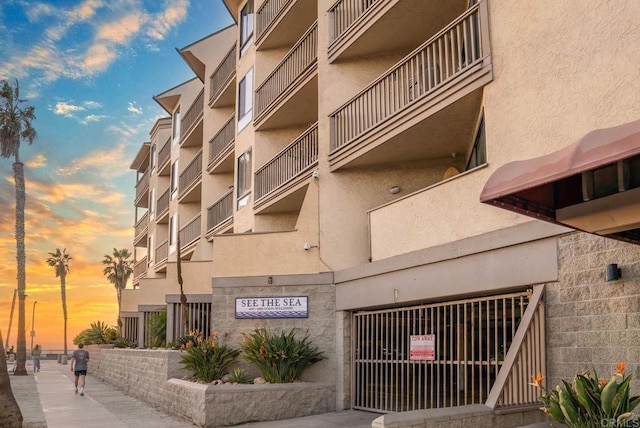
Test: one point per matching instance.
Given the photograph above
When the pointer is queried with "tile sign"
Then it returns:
(423, 347)
(272, 307)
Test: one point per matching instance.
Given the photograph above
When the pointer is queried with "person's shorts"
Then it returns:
(80, 372)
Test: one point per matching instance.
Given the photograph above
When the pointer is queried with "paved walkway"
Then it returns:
(47, 399)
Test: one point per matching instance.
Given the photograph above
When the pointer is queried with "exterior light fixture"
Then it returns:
(395, 190)
(612, 272)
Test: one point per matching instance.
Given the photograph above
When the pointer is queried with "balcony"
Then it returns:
(190, 180)
(221, 148)
(162, 254)
(142, 191)
(288, 96)
(141, 228)
(220, 214)
(140, 270)
(430, 92)
(191, 123)
(360, 28)
(163, 207)
(189, 235)
(280, 184)
(164, 158)
(280, 23)
(222, 89)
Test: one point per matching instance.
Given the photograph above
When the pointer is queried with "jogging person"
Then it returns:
(79, 360)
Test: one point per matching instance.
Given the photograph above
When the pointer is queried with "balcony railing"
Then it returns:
(162, 252)
(142, 185)
(303, 55)
(140, 268)
(190, 233)
(142, 225)
(164, 154)
(444, 57)
(163, 202)
(220, 211)
(223, 139)
(191, 174)
(344, 13)
(222, 75)
(267, 14)
(294, 159)
(192, 116)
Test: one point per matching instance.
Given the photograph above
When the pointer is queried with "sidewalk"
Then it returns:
(47, 399)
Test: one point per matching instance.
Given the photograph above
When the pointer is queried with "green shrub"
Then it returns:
(591, 402)
(192, 338)
(98, 334)
(279, 358)
(238, 375)
(208, 358)
(157, 328)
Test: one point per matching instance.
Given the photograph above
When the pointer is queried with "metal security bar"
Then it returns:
(220, 211)
(293, 160)
(191, 174)
(445, 56)
(344, 13)
(130, 329)
(222, 75)
(199, 316)
(471, 339)
(267, 14)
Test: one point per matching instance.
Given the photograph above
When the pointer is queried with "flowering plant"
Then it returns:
(590, 401)
(208, 358)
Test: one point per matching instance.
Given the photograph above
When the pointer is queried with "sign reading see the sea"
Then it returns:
(272, 307)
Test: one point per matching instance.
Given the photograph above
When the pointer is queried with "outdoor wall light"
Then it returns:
(395, 190)
(612, 272)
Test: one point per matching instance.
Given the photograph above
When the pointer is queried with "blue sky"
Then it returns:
(90, 68)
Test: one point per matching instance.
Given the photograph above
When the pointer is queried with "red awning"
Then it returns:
(559, 187)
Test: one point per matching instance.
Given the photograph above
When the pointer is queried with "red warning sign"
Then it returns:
(422, 347)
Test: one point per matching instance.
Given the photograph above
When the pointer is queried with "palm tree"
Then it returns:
(59, 261)
(9, 410)
(15, 127)
(119, 268)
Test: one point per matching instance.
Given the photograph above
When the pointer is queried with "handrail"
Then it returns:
(163, 202)
(191, 173)
(165, 153)
(344, 13)
(267, 13)
(220, 211)
(223, 74)
(162, 252)
(223, 138)
(190, 232)
(192, 115)
(141, 225)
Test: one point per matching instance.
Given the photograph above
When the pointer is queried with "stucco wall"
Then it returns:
(591, 322)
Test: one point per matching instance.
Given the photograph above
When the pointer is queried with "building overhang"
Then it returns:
(142, 157)
(591, 185)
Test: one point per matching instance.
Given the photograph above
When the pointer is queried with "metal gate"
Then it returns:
(472, 337)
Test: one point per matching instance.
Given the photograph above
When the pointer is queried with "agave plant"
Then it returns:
(589, 401)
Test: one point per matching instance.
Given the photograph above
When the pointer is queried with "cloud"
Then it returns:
(108, 163)
(133, 109)
(172, 16)
(98, 58)
(92, 104)
(92, 118)
(37, 161)
(121, 30)
(66, 109)
(39, 10)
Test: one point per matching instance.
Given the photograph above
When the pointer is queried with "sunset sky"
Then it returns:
(90, 68)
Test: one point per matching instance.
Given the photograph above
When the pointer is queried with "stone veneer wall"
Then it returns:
(154, 376)
(591, 322)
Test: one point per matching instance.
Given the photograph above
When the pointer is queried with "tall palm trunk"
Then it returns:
(18, 174)
(63, 291)
(11, 415)
(119, 295)
(183, 297)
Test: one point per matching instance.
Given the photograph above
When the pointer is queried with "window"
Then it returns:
(246, 27)
(244, 179)
(152, 203)
(245, 100)
(153, 158)
(176, 125)
(173, 232)
(150, 251)
(479, 152)
(174, 179)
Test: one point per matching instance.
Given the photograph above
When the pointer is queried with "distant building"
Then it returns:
(356, 155)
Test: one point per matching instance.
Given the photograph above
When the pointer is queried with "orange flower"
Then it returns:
(215, 333)
(620, 368)
(537, 380)
(189, 344)
(602, 382)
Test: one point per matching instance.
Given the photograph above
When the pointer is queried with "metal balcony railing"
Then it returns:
(344, 13)
(163, 203)
(220, 211)
(267, 14)
(223, 139)
(142, 185)
(142, 225)
(444, 57)
(222, 75)
(140, 268)
(293, 160)
(302, 56)
(190, 233)
(191, 174)
(162, 252)
(192, 116)
(165, 153)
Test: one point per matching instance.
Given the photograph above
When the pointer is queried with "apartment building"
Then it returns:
(433, 189)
